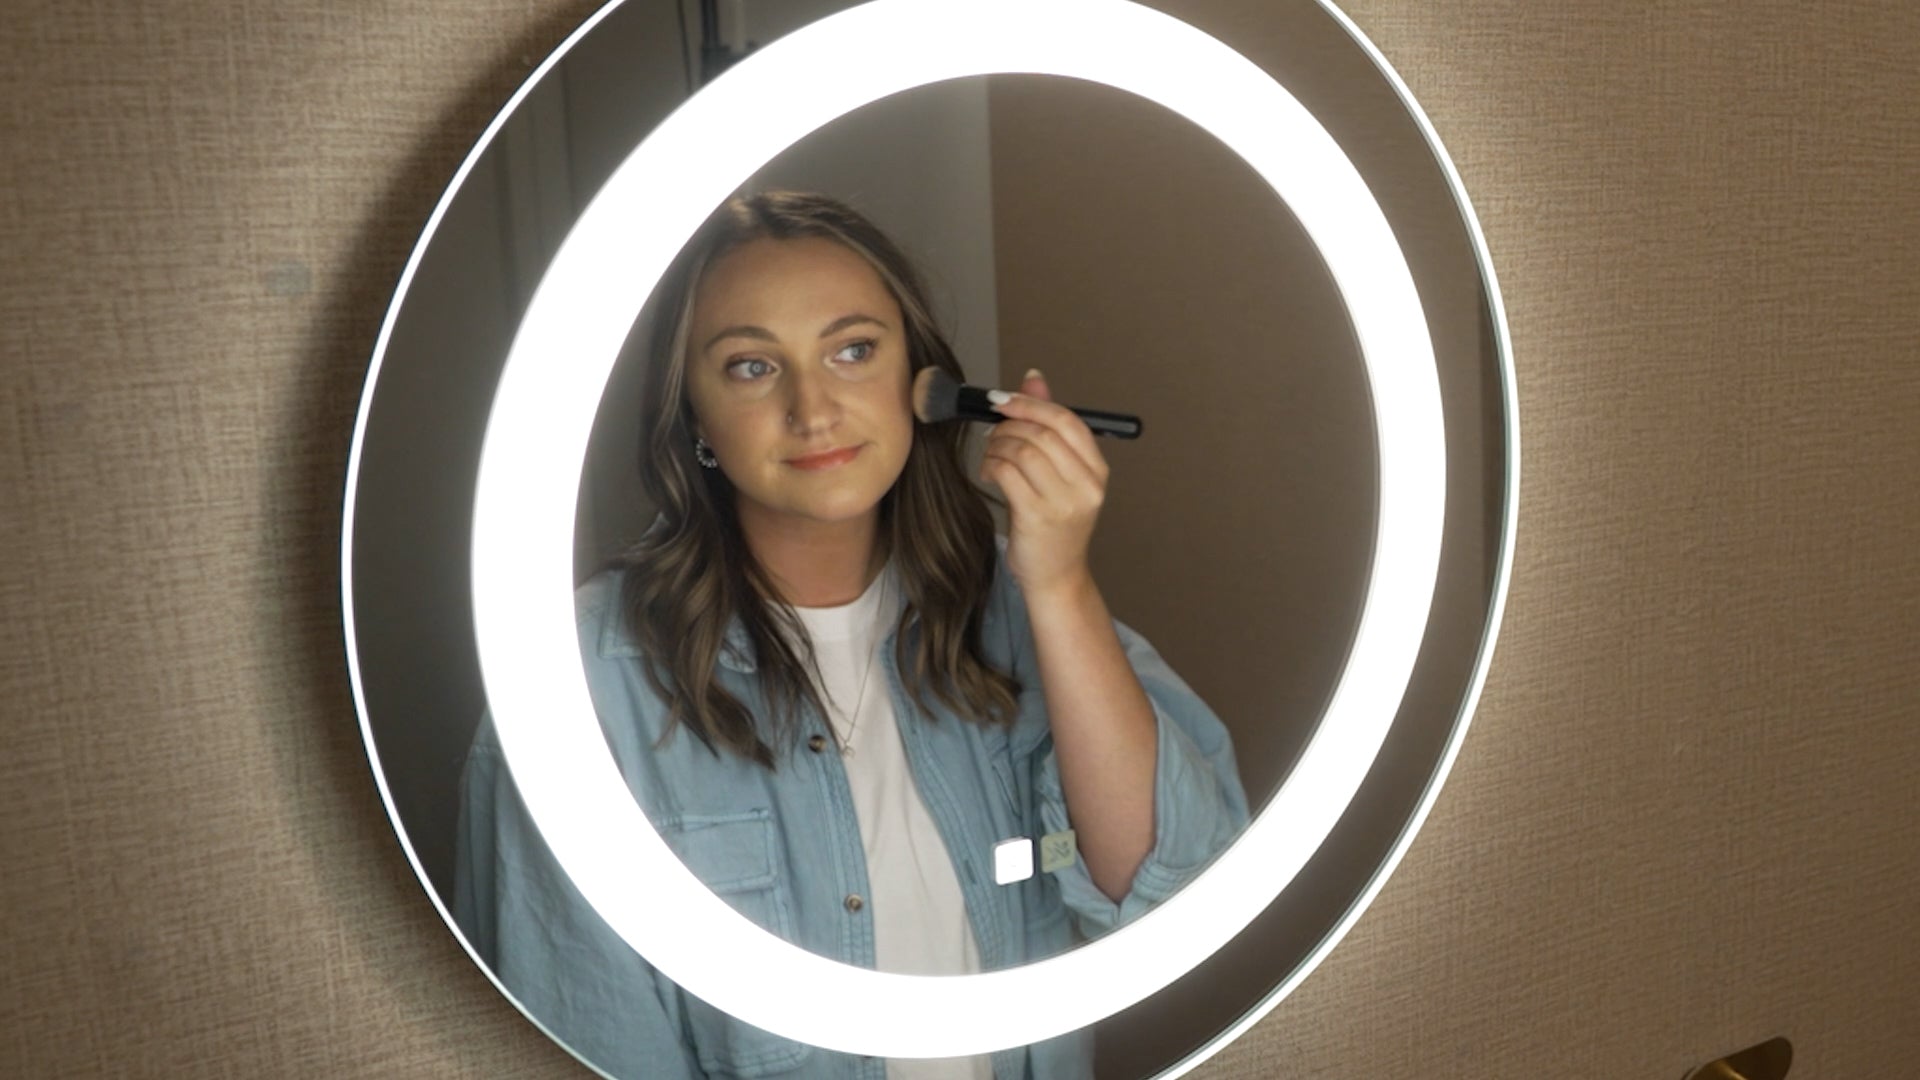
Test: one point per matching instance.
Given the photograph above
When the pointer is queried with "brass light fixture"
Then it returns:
(1767, 1061)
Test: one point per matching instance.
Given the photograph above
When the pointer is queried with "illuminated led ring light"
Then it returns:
(545, 406)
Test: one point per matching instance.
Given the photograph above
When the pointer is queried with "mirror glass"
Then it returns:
(1059, 225)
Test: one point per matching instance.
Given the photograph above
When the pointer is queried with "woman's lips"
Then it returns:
(825, 459)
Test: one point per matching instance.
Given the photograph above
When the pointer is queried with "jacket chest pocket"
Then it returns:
(737, 857)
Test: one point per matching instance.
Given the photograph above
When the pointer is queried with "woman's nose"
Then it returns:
(811, 404)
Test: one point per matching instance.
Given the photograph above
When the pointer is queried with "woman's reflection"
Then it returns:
(864, 721)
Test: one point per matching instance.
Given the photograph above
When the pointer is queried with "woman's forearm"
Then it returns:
(1103, 730)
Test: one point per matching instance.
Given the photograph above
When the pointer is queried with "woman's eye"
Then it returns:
(855, 352)
(750, 368)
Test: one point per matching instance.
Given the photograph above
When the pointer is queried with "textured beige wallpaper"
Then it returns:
(1682, 821)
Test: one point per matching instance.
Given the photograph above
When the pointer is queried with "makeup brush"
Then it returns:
(938, 397)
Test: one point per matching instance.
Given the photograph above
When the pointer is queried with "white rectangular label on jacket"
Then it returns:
(1012, 860)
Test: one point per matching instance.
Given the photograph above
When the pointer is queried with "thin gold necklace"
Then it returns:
(873, 653)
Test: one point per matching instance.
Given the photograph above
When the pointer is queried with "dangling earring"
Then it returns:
(703, 454)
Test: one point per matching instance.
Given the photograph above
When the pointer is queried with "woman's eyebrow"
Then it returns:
(758, 333)
(854, 319)
(761, 333)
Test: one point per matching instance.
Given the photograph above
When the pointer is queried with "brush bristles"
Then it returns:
(936, 396)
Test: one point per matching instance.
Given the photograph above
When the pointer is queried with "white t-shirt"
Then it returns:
(919, 917)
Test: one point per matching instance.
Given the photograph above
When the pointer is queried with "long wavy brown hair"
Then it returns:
(691, 577)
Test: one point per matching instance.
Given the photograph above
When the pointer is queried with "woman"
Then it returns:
(847, 707)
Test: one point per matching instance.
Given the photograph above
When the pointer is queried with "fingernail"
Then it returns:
(1034, 373)
(999, 397)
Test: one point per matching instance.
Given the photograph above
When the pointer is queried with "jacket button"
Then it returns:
(854, 903)
(817, 743)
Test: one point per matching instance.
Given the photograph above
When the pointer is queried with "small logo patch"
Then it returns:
(1057, 851)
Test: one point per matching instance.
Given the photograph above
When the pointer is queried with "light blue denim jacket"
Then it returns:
(783, 847)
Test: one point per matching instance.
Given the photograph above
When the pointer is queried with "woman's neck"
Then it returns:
(817, 564)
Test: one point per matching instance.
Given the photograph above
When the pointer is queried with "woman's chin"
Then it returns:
(837, 508)
(848, 512)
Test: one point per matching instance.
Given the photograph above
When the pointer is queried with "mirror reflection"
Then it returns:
(871, 725)
(1050, 225)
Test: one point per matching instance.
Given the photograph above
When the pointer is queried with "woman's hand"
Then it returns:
(1045, 461)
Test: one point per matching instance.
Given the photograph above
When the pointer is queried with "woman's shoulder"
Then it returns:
(630, 707)
(599, 612)
(609, 649)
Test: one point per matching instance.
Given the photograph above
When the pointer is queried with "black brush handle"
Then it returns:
(1113, 424)
(971, 404)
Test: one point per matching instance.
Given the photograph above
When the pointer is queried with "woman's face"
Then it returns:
(797, 373)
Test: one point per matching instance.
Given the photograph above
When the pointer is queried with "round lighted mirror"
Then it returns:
(1290, 362)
